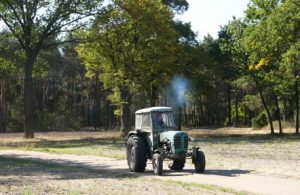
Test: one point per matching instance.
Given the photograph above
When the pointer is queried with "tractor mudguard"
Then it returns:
(143, 136)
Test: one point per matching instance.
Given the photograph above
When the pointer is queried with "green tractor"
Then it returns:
(155, 138)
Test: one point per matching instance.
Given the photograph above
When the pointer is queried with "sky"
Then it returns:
(206, 16)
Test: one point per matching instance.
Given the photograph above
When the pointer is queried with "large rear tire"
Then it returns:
(136, 152)
(199, 161)
(157, 162)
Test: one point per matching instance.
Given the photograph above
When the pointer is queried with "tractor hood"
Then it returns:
(178, 140)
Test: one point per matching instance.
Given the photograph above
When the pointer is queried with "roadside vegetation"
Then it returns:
(262, 154)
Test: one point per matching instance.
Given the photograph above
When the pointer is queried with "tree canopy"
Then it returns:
(69, 64)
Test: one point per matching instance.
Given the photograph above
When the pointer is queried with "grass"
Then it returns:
(208, 187)
(18, 164)
(9, 163)
(111, 145)
(113, 148)
(246, 152)
(27, 191)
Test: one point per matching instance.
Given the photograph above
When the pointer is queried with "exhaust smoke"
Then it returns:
(179, 88)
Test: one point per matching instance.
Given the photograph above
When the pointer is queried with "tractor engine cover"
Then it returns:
(178, 140)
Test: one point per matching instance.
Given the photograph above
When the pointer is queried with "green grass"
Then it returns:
(213, 188)
(27, 191)
(213, 146)
(113, 148)
(10, 162)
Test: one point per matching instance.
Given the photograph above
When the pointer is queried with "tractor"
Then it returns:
(155, 137)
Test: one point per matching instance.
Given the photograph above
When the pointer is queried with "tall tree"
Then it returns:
(9, 56)
(271, 41)
(33, 23)
(134, 50)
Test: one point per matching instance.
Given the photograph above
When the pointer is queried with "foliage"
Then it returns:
(133, 50)
(124, 55)
(260, 121)
(178, 5)
(36, 25)
(252, 102)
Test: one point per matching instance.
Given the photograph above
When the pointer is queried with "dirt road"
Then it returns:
(240, 180)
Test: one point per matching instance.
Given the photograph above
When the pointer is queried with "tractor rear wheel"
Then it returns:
(136, 154)
(157, 162)
(199, 161)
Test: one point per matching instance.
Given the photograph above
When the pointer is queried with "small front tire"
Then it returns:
(157, 162)
(199, 161)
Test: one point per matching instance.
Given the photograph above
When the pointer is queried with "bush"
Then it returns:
(260, 121)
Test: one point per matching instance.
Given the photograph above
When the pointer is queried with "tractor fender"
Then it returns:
(143, 136)
(132, 133)
(159, 151)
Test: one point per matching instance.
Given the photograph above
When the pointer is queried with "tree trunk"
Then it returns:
(185, 116)
(179, 118)
(218, 110)
(264, 103)
(297, 106)
(28, 96)
(153, 95)
(2, 107)
(201, 107)
(229, 106)
(285, 112)
(125, 112)
(278, 115)
(96, 103)
(236, 110)
(152, 102)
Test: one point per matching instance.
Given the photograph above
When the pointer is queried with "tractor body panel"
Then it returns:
(178, 140)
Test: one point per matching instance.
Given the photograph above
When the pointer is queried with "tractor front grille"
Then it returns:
(186, 141)
(177, 142)
(180, 142)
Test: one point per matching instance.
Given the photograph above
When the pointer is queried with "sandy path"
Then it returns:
(241, 180)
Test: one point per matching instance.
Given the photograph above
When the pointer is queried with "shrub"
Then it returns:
(260, 121)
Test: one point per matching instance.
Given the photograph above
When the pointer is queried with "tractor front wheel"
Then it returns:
(199, 161)
(157, 162)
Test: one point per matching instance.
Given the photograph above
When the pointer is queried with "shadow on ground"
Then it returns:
(217, 172)
(17, 170)
(22, 169)
(228, 173)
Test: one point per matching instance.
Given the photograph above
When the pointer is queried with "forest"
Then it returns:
(69, 64)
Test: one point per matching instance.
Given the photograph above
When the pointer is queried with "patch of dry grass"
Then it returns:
(227, 148)
(59, 136)
(30, 177)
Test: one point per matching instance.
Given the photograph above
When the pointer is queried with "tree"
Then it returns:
(33, 23)
(9, 57)
(271, 39)
(233, 44)
(179, 6)
(133, 50)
